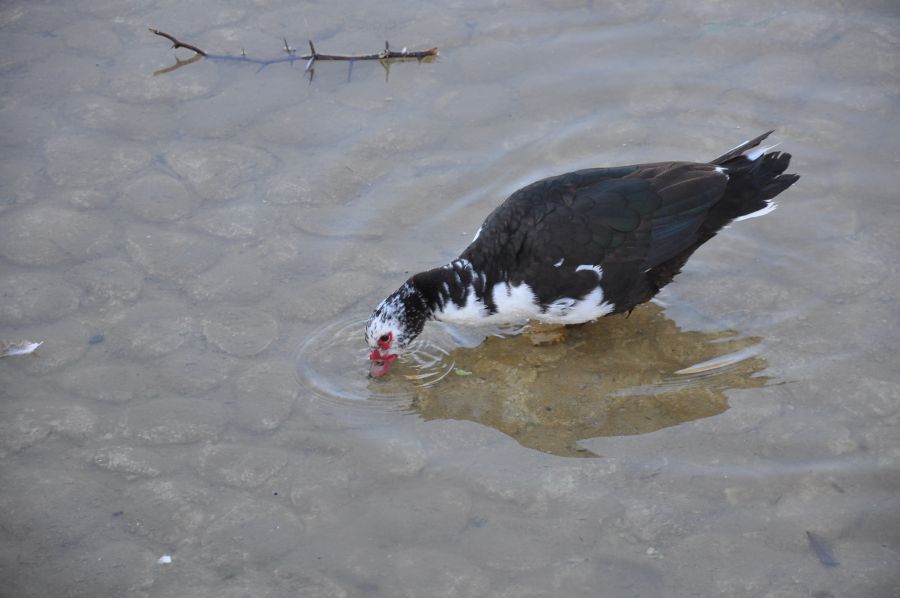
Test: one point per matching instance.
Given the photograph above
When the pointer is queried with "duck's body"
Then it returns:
(572, 248)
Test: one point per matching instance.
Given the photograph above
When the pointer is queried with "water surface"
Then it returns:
(218, 222)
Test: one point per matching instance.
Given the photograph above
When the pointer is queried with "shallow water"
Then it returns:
(193, 248)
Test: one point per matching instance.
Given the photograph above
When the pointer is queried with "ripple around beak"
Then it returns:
(380, 365)
(337, 366)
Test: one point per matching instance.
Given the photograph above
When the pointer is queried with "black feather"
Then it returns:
(627, 231)
(639, 223)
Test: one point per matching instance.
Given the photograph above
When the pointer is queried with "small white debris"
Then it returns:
(14, 348)
(651, 551)
(165, 559)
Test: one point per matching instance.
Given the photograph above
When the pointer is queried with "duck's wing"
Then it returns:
(627, 219)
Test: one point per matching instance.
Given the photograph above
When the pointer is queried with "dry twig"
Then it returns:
(177, 43)
(386, 56)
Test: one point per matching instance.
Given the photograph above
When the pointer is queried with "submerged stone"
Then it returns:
(154, 329)
(236, 222)
(240, 466)
(236, 279)
(220, 172)
(170, 255)
(107, 280)
(37, 296)
(252, 531)
(111, 382)
(132, 461)
(159, 198)
(240, 331)
(92, 161)
(174, 421)
(194, 370)
(45, 235)
(265, 395)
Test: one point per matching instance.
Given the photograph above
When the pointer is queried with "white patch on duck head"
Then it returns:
(390, 318)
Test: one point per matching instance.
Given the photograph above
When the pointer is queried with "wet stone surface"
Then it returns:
(251, 531)
(44, 236)
(173, 421)
(170, 255)
(317, 298)
(194, 372)
(236, 279)
(240, 331)
(31, 425)
(222, 172)
(234, 466)
(265, 395)
(158, 198)
(39, 296)
(92, 161)
(62, 498)
(131, 461)
(107, 280)
(169, 511)
(111, 383)
(124, 566)
(174, 239)
(236, 222)
(154, 329)
(18, 185)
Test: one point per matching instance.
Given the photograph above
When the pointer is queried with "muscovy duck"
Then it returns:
(572, 248)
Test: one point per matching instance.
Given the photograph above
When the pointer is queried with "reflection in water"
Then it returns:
(613, 377)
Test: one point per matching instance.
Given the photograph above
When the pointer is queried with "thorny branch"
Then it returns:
(386, 56)
(176, 43)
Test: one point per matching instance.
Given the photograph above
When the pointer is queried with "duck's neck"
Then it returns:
(455, 292)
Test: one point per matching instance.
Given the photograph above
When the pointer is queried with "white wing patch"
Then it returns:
(472, 312)
(570, 311)
(560, 262)
(597, 269)
(770, 206)
(514, 302)
(561, 307)
(755, 154)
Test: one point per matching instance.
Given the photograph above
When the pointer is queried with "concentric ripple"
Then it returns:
(334, 364)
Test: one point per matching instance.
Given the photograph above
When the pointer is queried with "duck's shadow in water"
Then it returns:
(614, 377)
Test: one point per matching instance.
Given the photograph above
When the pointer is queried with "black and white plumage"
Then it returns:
(572, 248)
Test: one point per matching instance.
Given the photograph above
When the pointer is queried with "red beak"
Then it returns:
(380, 364)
